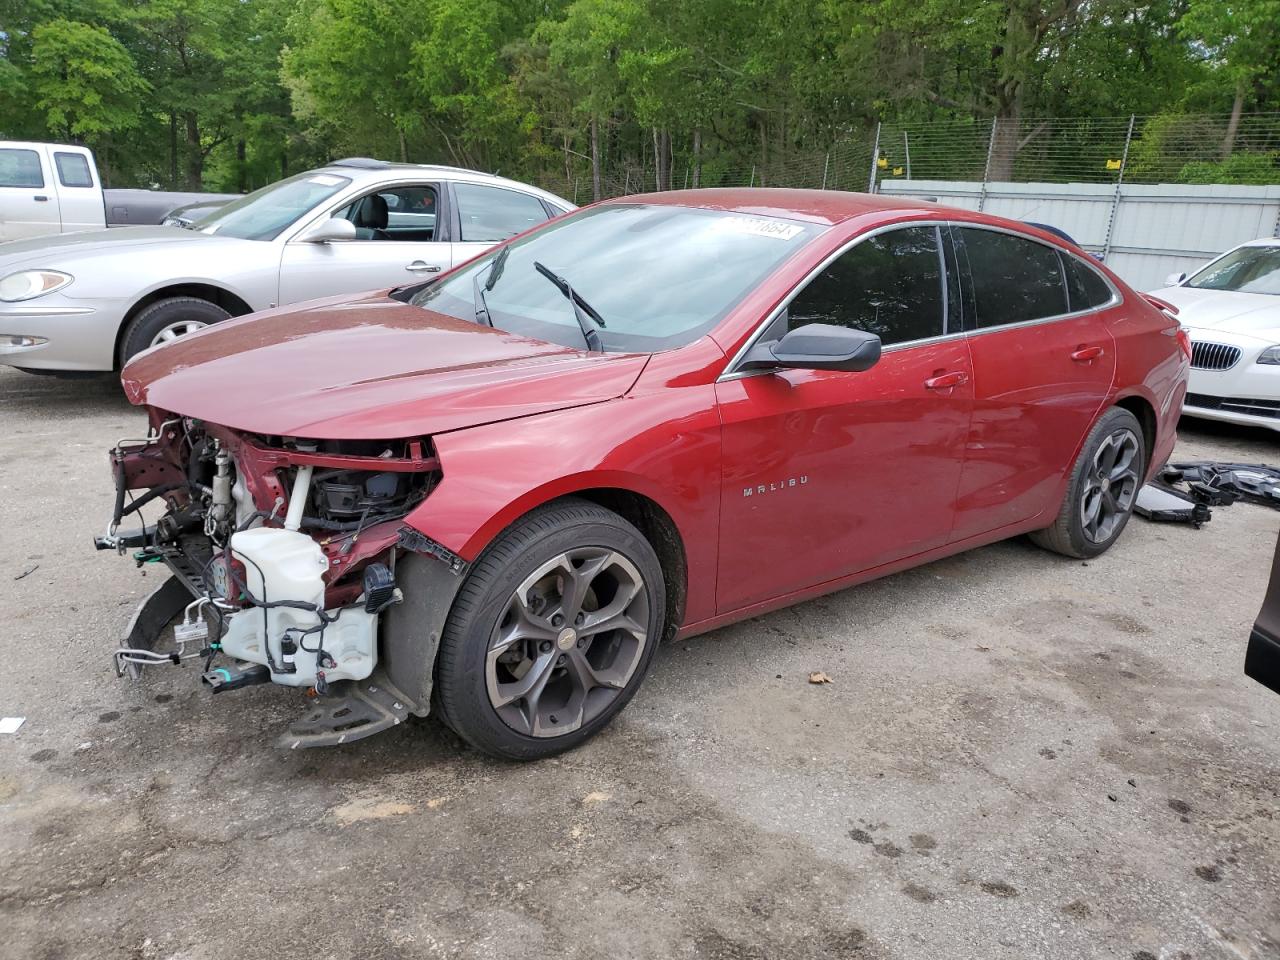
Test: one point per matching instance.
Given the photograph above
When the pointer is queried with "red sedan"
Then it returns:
(489, 496)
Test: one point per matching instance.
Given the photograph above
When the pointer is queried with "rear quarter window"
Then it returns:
(1085, 286)
(73, 169)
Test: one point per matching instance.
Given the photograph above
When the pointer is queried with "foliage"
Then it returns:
(230, 94)
(1255, 168)
(84, 81)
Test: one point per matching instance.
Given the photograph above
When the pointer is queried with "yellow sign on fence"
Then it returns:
(1113, 164)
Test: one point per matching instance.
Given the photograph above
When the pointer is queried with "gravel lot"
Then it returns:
(1019, 756)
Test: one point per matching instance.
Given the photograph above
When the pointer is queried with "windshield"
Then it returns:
(1244, 270)
(657, 276)
(265, 213)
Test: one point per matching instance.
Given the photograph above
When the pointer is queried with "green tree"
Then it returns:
(348, 66)
(1241, 40)
(84, 81)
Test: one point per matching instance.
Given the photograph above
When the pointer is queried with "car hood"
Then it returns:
(1252, 314)
(372, 368)
(67, 248)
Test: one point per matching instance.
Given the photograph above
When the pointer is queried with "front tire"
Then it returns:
(166, 320)
(552, 633)
(1105, 481)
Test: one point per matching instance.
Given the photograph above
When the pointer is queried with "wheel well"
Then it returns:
(663, 535)
(227, 300)
(1146, 415)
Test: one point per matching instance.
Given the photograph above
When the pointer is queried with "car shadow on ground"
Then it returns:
(61, 396)
(1193, 430)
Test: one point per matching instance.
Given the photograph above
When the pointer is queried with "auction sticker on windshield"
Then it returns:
(759, 227)
(325, 180)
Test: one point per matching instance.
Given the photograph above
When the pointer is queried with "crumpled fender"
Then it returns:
(664, 446)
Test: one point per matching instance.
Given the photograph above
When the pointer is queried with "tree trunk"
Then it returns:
(195, 159)
(697, 156)
(667, 156)
(595, 159)
(660, 178)
(1012, 59)
(404, 147)
(764, 149)
(1004, 142)
(173, 151)
(1233, 125)
(242, 168)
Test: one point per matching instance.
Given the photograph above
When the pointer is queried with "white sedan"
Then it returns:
(1231, 310)
(89, 301)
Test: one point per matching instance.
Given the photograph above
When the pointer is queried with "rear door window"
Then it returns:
(890, 284)
(73, 169)
(20, 168)
(493, 214)
(1014, 279)
(1085, 287)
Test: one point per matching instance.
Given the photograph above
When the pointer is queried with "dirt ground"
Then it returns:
(1018, 756)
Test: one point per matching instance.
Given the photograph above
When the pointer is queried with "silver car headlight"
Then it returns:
(29, 284)
(1270, 355)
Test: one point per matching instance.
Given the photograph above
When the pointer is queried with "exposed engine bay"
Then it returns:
(283, 553)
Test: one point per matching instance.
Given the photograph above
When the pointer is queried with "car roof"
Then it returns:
(817, 206)
(365, 170)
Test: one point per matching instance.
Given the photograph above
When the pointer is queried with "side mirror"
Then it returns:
(816, 346)
(1173, 279)
(333, 230)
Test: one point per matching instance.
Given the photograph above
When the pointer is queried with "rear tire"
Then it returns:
(553, 630)
(176, 315)
(1105, 481)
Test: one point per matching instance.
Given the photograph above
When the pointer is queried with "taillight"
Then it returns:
(1184, 341)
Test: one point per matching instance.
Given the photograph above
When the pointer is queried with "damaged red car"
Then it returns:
(490, 496)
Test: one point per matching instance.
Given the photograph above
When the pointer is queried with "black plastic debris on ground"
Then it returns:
(1184, 492)
(1158, 502)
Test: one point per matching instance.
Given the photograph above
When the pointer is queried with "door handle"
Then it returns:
(41, 198)
(421, 266)
(946, 381)
(1086, 354)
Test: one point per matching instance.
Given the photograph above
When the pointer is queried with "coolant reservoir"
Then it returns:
(289, 565)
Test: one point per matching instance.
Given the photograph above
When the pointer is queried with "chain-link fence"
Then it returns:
(1166, 148)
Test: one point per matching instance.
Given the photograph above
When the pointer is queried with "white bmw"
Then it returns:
(1231, 310)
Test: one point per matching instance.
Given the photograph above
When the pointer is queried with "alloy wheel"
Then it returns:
(1111, 485)
(175, 330)
(567, 642)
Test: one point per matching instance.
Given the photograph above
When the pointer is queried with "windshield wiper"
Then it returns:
(492, 274)
(583, 312)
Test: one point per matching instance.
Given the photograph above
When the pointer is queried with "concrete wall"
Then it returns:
(1157, 229)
